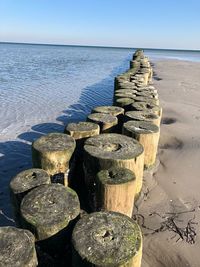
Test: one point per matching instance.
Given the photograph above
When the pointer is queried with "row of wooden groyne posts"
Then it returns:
(97, 166)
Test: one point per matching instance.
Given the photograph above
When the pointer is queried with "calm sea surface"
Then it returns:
(43, 87)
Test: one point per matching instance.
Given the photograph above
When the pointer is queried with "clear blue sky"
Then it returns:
(128, 23)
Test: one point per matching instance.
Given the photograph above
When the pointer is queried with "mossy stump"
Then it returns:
(115, 190)
(23, 183)
(52, 153)
(142, 116)
(48, 211)
(106, 122)
(17, 248)
(148, 135)
(82, 130)
(147, 106)
(105, 239)
(125, 103)
(112, 150)
(114, 111)
(147, 99)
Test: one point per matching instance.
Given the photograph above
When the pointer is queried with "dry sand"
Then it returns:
(174, 189)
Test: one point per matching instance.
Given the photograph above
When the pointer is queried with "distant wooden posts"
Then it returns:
(115, 190)
(47, 211)
(52, 153)
(112, 150)
(106, 239)
(23, 183)
(106, 122)
(148, 135)
(17, 248)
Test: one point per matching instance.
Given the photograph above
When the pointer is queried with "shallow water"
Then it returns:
(44, 87)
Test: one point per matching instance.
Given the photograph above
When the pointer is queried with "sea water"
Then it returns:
(44, 87)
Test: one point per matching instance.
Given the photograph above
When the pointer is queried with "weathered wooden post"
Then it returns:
(125, 103)
(114, 111)
(106, 122)
(148, 135)
(147, 106)
(48, 212)
(112, 150)
(115, 190)
(142, 116)
(80, 132)
(23, 183)
(17, 248)
(52, 153)
(103, 239)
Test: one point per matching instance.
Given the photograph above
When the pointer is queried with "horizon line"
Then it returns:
(100, 46)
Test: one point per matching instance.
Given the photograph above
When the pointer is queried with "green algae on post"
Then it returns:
(48, 209)
(17, 248)
(142, 116)
(107, 239)
(23, 183)
(106, 122)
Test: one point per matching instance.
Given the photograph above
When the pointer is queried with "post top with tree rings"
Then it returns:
(54, 142)
(107, 238)
(50, 206)
(102, 117)
(17, 247)
(145, 106)
(115, 175)
(29, 179)
(113, 146)
(141, 115)
(141, 127)
(86, 129)
(112, 110)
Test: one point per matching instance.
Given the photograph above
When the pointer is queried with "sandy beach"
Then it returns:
(170, 208)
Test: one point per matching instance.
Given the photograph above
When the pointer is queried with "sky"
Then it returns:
(173, 24)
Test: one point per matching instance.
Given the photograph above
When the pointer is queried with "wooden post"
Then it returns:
(147, 106)
(106, 122)
(116, 189)
(47, 211)
(142, 116)
(52, 153)
(147, 99)
(23, 183)
(148, 135)
(146, 93)
(103, 239)
(114, 111)
(111, 150)
(80, 132)
(17, 248)
(125, 103)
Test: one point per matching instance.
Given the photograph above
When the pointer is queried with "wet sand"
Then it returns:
(170, 206)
